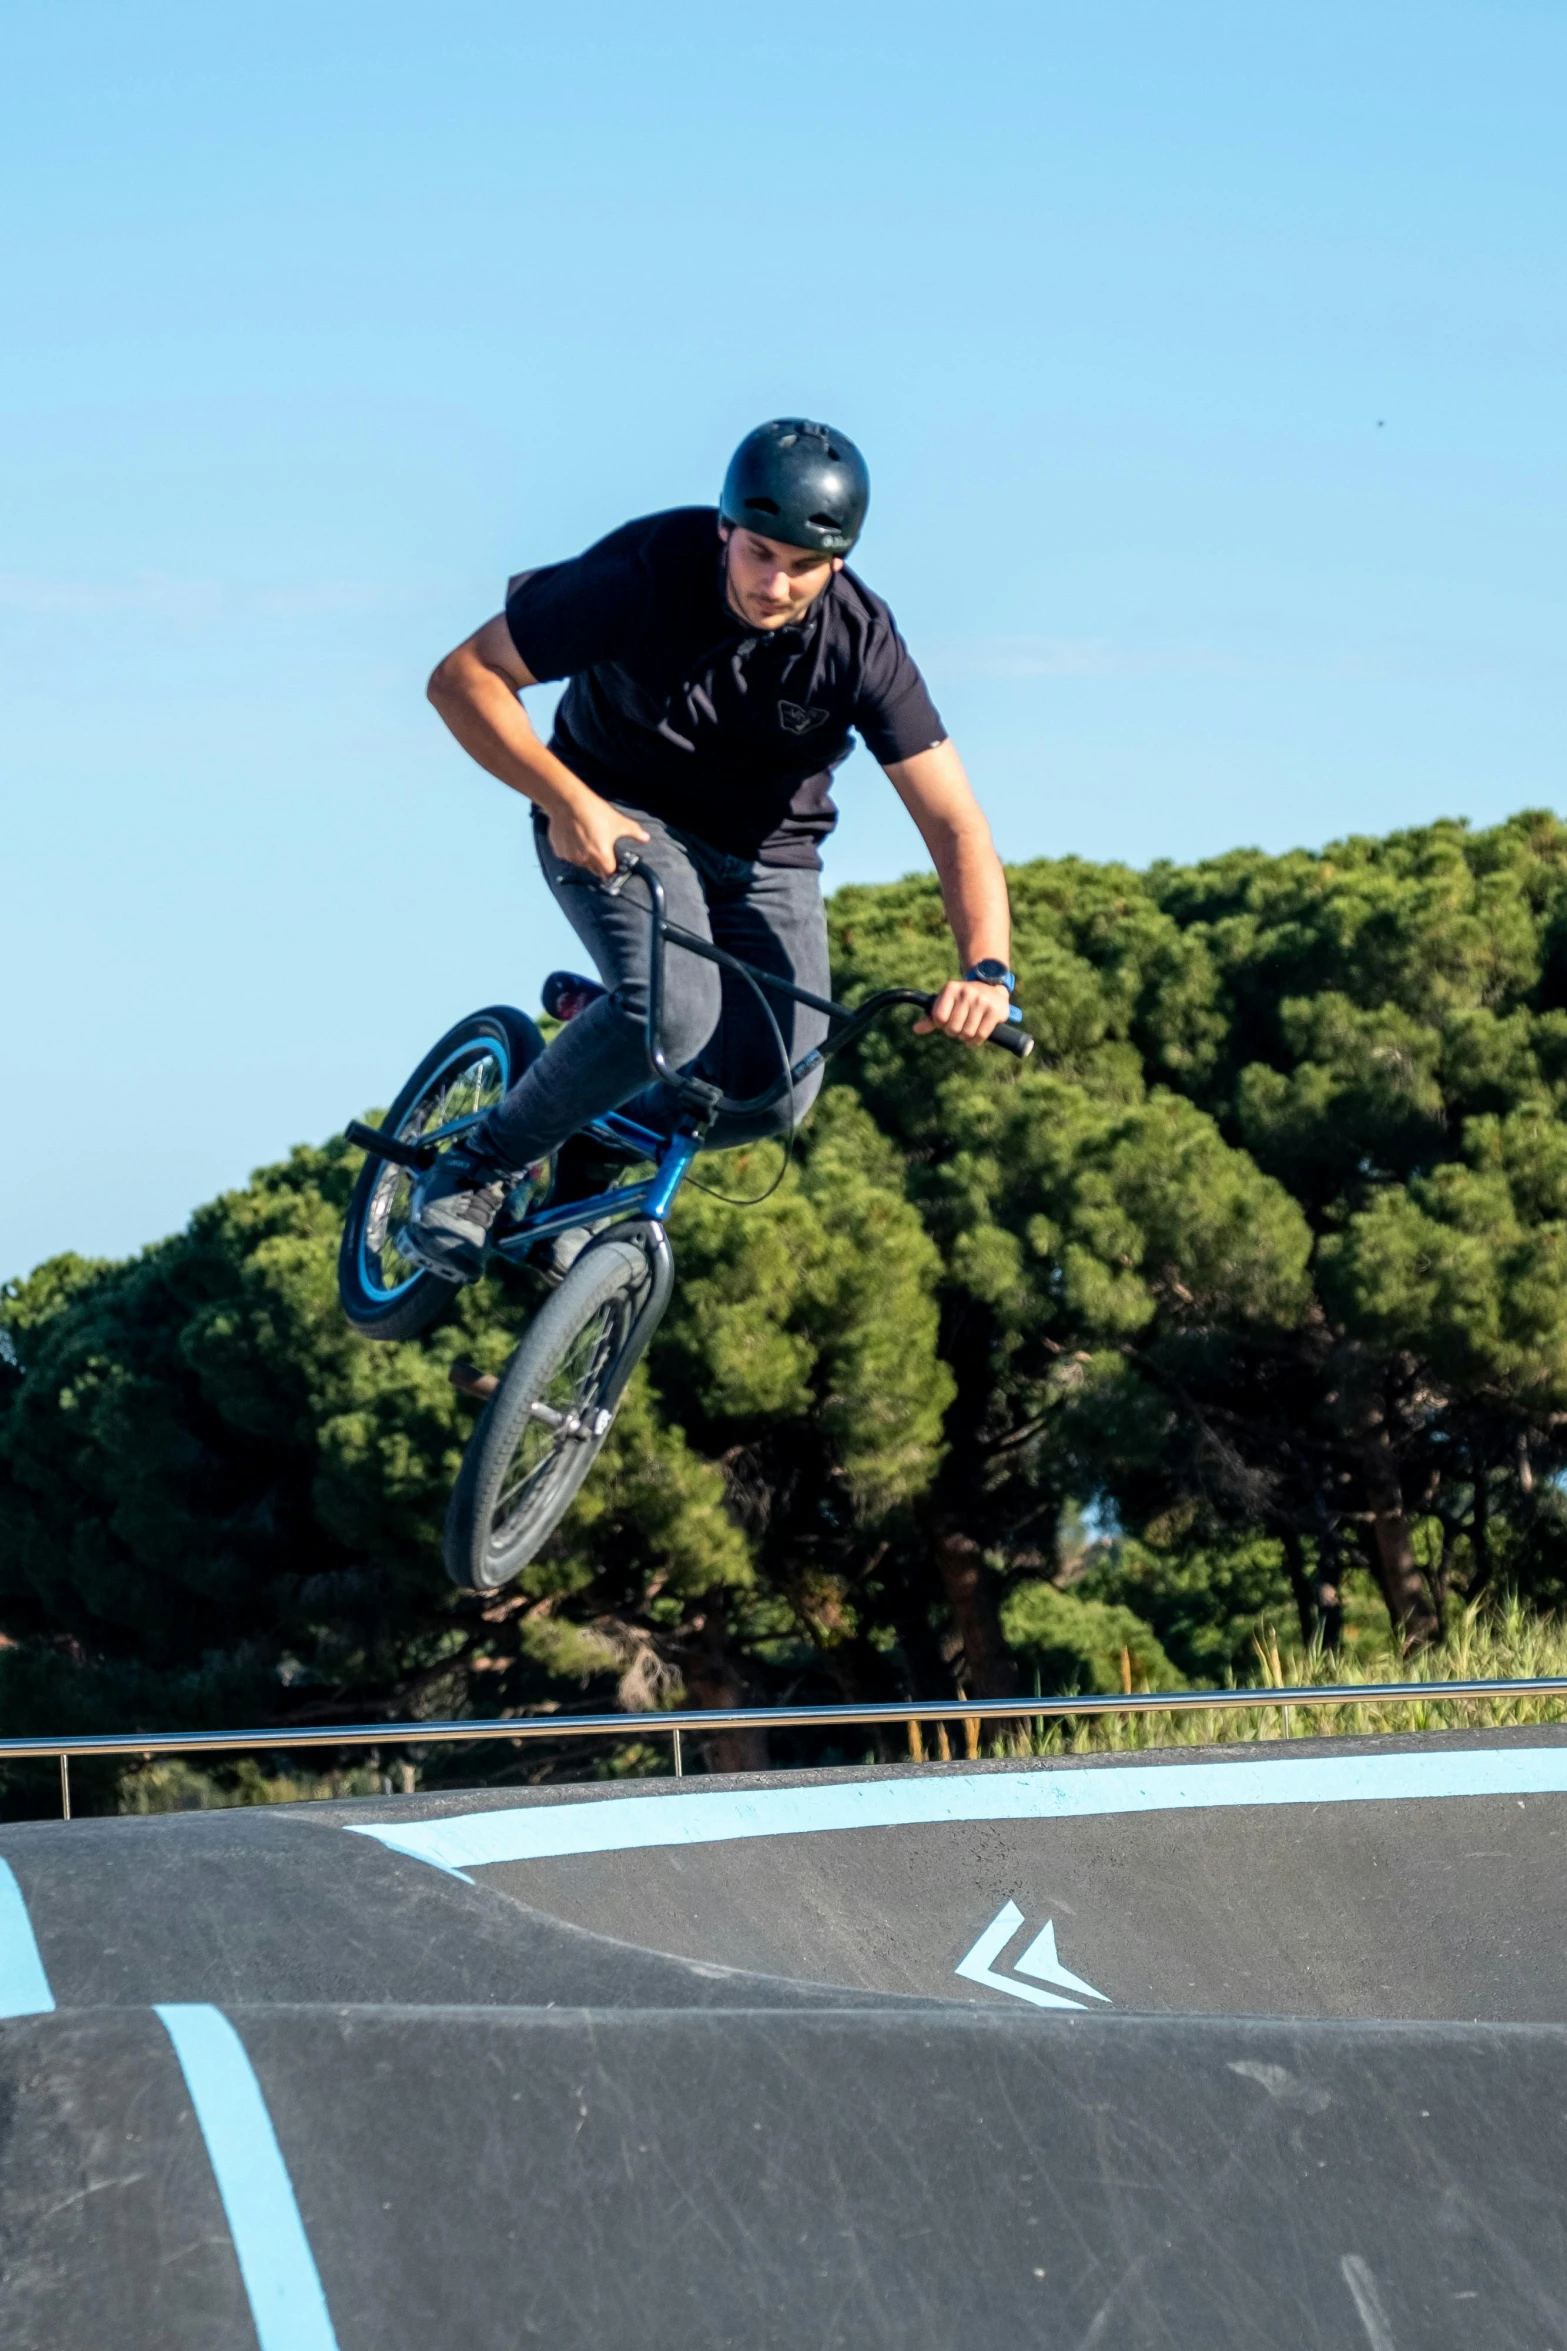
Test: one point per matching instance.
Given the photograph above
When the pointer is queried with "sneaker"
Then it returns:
(582, 1170)
(455, 1207)
(566, 993)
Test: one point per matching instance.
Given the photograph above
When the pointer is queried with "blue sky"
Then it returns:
(1209, 361)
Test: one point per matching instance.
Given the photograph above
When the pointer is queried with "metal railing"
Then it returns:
(552, 1728)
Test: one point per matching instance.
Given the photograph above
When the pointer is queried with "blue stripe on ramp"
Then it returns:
(274, 2253)
(626, 1824)
(24, 1988)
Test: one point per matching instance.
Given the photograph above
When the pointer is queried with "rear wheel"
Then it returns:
(385, 1293)
(542, 1429)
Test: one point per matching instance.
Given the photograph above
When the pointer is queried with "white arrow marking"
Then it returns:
(1040, 1960)
(978, 1963)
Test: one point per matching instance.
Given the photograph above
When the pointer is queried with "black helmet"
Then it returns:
(801, 483)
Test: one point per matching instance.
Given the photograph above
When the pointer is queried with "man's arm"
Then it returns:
(475, 690)
(939, 797)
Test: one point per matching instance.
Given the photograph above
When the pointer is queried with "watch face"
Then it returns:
(991, 974)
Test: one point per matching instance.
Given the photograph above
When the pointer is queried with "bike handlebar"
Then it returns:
(851, 1023)
(1015, 1041)
(627, 863)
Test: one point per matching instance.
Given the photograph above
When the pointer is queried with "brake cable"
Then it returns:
(755, 1201)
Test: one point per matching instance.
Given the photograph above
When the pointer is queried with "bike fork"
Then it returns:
(654, 1243)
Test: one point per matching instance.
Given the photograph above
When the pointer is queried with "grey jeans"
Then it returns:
(770, 915)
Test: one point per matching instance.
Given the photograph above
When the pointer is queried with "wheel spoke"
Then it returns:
(456, 1094)
(565, 1415)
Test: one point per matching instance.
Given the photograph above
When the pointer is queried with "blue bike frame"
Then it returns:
(650, 1201)
(698, 1103)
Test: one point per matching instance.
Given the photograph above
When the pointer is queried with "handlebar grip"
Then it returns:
(626, 864)
(1011, 1039)
(417, 1156)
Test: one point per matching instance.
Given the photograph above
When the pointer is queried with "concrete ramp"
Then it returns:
(1193, 2049)
(735, 2182)
(1416, 1878)
(250, 1907)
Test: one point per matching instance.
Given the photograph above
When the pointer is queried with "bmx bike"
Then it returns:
(553, 1406)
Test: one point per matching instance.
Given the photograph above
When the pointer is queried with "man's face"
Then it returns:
(771, 584)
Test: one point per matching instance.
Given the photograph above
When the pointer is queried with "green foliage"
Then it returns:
(1078, 1645)
(170, 1785)
(1266, 1244)
(1498, 1639)
(1261, 1256)
(219, 1505)
(1209, 1604)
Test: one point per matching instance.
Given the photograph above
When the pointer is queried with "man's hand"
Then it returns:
(967, 1010)
(584, 832)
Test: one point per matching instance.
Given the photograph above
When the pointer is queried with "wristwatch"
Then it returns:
(992, 974)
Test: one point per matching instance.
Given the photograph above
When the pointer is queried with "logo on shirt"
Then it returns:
(798, 719)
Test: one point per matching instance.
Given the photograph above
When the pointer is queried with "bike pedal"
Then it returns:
(441, 1267)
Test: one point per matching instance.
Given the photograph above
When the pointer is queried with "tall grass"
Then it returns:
(1494, 1640)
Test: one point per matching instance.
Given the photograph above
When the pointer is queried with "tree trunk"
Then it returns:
(1393, 1550)
(1328, 1578)
(1525, 1467)
(712, 1681)
(1330, 1588)
(990, 1668)
(1480, 1527)
(1300, 1585)
(909, 1598)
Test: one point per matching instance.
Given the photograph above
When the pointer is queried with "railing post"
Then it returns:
(65, 1787)
(680, 1767)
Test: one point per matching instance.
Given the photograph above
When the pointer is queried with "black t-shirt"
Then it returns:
(677, 707)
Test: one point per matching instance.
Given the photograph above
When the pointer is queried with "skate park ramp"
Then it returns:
(1208, 2048)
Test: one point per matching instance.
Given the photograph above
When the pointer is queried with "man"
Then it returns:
(717, 662)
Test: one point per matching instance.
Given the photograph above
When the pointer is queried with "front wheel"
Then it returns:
(385, 1293)
(542, 1429)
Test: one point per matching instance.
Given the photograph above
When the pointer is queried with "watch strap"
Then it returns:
(992, 973)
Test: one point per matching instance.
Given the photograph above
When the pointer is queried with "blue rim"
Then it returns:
(500, 1051)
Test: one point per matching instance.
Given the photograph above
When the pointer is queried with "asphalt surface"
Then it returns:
(250, 1907)
(1409, 1906)
(1238, 2047)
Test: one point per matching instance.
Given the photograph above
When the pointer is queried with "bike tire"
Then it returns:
(384, 1295)
(519, 1477)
